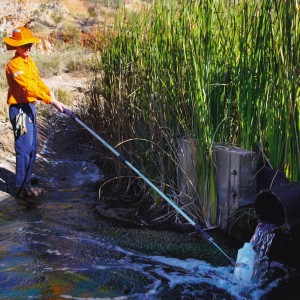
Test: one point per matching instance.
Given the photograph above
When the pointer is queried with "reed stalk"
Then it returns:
(206, 70)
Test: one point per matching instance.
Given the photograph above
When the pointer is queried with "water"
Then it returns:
(45, 260)
(59, 248)
(261, 242)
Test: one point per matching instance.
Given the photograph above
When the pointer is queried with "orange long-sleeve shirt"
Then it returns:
(24, 82)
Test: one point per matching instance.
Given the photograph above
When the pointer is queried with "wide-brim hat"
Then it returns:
(20, 36)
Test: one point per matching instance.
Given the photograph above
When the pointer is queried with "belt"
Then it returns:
(23, 103)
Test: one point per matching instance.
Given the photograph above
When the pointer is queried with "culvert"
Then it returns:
(280, 206)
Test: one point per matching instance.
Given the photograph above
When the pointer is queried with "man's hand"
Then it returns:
(57, 104)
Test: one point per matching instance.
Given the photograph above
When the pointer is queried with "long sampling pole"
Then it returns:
(125, 161)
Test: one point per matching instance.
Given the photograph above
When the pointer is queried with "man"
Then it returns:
(25, 87)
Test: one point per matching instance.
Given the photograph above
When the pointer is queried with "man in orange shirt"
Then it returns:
(25, 87)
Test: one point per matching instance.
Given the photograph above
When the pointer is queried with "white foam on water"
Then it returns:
(182, 272)
(55, 252)
(193, 272)
(78, 172)
(188, 274)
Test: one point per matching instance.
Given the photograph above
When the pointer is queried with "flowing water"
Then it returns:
(60, 248)
(261, 242)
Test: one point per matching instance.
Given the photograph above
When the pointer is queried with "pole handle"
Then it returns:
(69, 113)
(203, 232)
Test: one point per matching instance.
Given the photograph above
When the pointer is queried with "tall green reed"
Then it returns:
(208, 71)
(267, 83)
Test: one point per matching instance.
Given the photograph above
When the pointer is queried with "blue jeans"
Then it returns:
(26, 144)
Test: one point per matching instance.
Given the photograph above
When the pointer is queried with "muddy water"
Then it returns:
(59, 247)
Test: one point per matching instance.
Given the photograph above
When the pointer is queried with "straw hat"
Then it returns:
(20, 36)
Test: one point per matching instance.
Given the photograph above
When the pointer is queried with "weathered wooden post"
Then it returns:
(186, 173)
(235, 180)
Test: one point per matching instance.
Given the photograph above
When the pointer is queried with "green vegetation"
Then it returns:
(205, 70)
